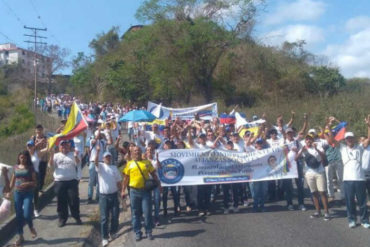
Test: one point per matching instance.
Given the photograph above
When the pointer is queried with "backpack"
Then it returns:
(311, 161)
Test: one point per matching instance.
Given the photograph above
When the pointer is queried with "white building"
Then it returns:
(11, 54)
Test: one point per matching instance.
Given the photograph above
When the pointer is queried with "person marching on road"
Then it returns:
(354, 182)
(66, 182)
(136, 172)
(109, 185)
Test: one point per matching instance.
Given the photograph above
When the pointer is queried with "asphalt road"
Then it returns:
(276, 227)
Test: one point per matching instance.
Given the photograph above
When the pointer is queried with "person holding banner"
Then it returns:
(174, 189)
(259, 188)
(204, 191)
(235, 187)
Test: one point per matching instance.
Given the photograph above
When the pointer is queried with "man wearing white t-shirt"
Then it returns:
(109, 185)
(153, 135)
(99, 140)
(354, 182)
(65, 182)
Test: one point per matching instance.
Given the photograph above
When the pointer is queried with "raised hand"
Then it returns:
(367, 120)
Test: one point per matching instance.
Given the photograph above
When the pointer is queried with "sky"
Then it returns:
(337, 29)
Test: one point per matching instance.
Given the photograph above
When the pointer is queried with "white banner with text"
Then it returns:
(213, 166)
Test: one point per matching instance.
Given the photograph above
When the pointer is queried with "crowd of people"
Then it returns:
(120, 169)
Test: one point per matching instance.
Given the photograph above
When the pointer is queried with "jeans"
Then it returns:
(141, 203)
(358, 189)
(259, 190)
(23, 209)
(93, 181)
(337, 168)
(236, 189)
(67, 196)
(176, 197)
(157, 202)
(204, 197)
(109, 208)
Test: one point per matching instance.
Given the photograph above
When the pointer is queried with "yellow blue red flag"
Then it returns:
(76, 123)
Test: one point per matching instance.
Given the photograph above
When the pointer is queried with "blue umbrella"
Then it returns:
(137, 116)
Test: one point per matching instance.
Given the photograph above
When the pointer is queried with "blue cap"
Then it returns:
(30, 143)
(259, 140)
(107, 154)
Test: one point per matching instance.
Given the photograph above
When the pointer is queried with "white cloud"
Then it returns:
(293, 33)
(353, 56)
(300, 10)
(357, 23)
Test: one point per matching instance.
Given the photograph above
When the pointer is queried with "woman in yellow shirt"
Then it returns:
(141, 199)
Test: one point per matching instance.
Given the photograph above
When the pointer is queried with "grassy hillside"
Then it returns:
(351, 106)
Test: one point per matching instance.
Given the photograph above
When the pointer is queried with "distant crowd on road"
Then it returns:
(122, 169)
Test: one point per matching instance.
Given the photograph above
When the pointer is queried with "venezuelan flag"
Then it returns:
(339, 131)
(76, 123)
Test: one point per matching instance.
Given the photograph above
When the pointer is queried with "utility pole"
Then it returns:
(35, 42)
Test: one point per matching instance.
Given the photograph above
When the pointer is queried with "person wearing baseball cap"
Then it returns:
(354, 182)
(65, 164)
(101, 141)
(109, 185)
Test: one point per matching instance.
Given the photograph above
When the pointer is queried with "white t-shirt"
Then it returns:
(275, 143)
(199, 146)
(35, 161)
(150, 135)
(321, 143)
(210, 144)
(108, 176)
(293, 144)
(351, 158)
(279, 131)
(239, 146)
(65, 167)
(102, 144)
(316, 154)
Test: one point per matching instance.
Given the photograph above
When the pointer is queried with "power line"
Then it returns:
(7, 37)
(41, 20)
(13, 12)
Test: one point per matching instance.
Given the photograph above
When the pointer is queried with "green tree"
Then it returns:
(326, 81)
